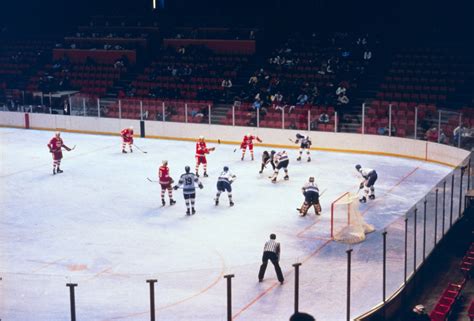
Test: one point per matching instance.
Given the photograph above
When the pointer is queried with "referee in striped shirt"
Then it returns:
(271, 251)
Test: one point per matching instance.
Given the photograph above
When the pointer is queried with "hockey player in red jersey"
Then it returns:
(127, 138)
(247, 141)
(165, 182)
(55, 146)
(201, 151)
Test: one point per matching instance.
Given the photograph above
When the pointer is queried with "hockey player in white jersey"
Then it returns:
(311, 198)
(370, 177)
(224, 184)
(280, 160)
(189, 181)
(305, 145)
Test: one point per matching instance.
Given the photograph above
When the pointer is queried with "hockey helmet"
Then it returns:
(311, 179)
(187, 169)
(358, 167)
(226, 168)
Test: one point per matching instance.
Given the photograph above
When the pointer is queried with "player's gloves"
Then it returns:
(176, 187)
(201, 186)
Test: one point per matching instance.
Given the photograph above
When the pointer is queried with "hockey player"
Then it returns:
(266, 159)
(55, 146)
(201, 151)
(224, 183)
(127, 138)
(305, 144)
(280, 160)
(165, 182)
(247, 141)
(189, 181)
(311, 198)
(370, 177)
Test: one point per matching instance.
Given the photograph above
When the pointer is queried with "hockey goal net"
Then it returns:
(347, 224)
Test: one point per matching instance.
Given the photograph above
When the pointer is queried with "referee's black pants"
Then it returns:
(274, 259)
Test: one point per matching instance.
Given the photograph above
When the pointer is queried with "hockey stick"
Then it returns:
(144, 152)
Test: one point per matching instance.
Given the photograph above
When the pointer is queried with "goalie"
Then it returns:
(370, 177)
(305, 145)
(311, 198)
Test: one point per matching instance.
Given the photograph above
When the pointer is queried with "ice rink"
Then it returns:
(100, 224)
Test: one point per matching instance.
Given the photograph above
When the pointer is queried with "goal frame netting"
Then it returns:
(347, 223)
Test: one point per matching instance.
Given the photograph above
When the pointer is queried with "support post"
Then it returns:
(258, 118)
(390, 120)
(233, 115)
(436, 219)
(152, 298)
(384, 272)
(72, 299)
(424, 229)
(439, 126)
(283, 118)
(348, 294)
(309, 120)
(363, 118)
(186, 113)
(460, 192)
(416, 123)
(405, 272)
(452, 202)
(209, 113)
(415, 214)
(229, 296)
(297, 285)
(444, 207)
(141, 110)
(163, 109)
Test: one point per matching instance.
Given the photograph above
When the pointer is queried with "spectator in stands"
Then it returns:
(301, 316)
(431, 134)
(418, 313)
(323, 118)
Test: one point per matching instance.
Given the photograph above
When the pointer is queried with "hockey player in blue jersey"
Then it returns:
(280, 160)
(305, 145)
(370, 177)
(189, 181)
(224, 184)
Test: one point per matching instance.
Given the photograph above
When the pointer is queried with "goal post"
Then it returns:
(347, 223)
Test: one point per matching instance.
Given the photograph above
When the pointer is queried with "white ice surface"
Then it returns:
(100, 224)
